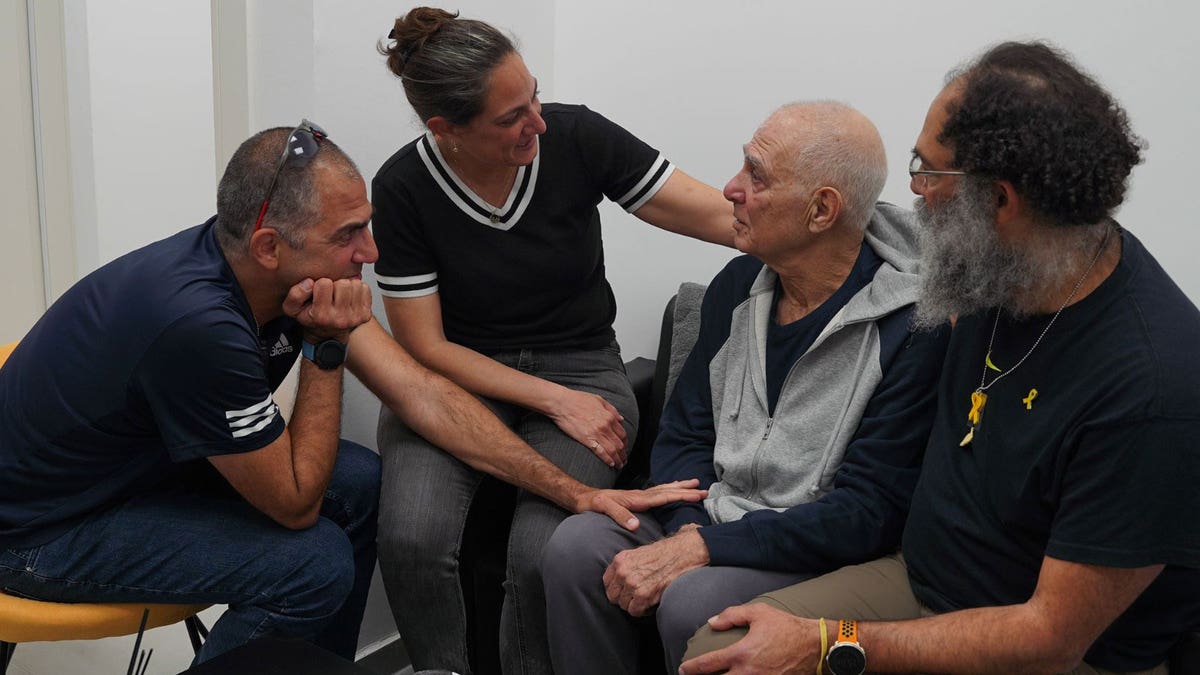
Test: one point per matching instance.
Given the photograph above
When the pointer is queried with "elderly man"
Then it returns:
(143, 459)
(804, 406)
(1054, 526)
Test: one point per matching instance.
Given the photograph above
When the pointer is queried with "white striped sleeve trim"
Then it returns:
(253, 419)
(415, 286)
(660, 170)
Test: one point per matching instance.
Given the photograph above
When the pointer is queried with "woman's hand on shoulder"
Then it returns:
(593, 422)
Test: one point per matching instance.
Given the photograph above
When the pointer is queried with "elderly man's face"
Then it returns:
(768, 205)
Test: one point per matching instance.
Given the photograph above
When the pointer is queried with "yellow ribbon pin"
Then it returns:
(1028, 400)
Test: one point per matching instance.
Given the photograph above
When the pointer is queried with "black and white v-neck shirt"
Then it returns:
(528, 274)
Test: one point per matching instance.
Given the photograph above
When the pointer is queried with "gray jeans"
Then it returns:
(588, 634)
(423, 510)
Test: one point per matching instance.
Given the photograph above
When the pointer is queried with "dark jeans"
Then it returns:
(423, 511)
(180, 544)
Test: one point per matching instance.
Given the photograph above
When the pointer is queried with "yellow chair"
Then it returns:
(24, 620)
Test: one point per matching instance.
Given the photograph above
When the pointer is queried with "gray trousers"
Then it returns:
(874, 591)
(588, 634)
(423, 510)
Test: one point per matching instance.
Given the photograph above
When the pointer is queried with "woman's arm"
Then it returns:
(686, 206)
(416, 324)
(457, 422)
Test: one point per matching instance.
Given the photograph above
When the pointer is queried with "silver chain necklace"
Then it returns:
(978, 397)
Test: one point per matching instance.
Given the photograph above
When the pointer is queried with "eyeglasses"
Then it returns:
(303, 143)
(918, 172)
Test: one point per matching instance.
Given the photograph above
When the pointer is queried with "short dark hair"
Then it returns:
(445, 63)
(1028, 115)
(294, 205)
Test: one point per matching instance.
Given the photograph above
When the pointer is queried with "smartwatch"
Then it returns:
(846, 656)
(327, 354)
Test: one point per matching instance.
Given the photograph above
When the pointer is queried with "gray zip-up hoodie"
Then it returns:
(778, 462)
(759, 468)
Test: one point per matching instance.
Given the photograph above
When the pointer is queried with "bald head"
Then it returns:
(834, 145)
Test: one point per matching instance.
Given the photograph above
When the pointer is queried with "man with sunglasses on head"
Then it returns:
(143, 458)
(1054, 527)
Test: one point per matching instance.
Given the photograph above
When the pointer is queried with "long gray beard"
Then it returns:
(966, 268)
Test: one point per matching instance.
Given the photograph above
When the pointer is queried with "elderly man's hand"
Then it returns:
(637, 577)
(620, 504)
(778, 644)
(327, 308)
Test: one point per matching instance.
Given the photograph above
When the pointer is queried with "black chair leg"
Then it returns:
(6, 654)
(196, 632)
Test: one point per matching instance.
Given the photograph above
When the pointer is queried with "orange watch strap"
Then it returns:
(847, 631)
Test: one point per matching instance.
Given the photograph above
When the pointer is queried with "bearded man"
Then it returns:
(1053, 528)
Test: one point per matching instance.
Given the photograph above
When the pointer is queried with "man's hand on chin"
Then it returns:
(327, 308)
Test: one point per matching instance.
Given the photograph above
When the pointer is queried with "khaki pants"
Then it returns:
(874, 591)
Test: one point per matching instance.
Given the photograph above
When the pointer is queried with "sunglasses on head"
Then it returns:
(302, 146)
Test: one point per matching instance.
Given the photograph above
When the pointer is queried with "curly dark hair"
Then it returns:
(1030, 116)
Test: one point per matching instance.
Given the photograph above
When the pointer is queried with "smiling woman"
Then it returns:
(492, 271)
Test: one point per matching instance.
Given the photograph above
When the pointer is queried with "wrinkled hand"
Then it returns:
(637, 577)
(593, 422)
(778, 643)
(327, 308)
(620, 504)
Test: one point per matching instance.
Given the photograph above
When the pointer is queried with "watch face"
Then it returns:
(329, 354)
(846, 660)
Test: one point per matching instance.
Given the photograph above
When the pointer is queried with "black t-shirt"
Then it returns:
(1100, 466)
(147, 363)
(529, 274)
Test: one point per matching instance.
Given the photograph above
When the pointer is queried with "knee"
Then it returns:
(356, 474)
(419, 538)
(683, 608)
(320, 571)
(358, 466)
(576, 553)
(405, 542)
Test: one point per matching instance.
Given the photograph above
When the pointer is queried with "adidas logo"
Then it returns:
(282, 346)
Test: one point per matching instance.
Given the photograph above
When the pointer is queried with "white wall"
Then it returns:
(140, 87)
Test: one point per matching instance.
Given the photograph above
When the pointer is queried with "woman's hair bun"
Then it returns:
(409, 34)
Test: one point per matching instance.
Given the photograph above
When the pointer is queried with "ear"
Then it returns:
(264, 248)
(1009, 205)
(440, 126)
(824, 209)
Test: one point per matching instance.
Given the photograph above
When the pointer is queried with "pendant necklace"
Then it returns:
(493, 210)
(979, 396)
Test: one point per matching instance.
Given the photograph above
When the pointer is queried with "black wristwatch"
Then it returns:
(327, 354)
(846, 656)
